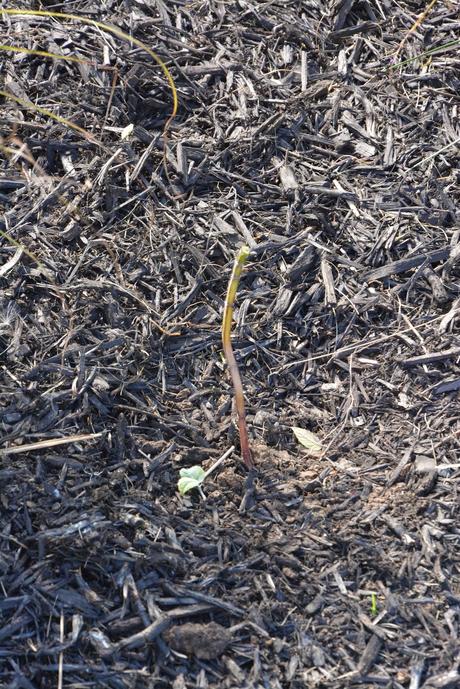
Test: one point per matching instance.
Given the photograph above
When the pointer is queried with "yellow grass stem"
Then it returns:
(13, 151)
(28, 253)
(5, 235)
(62, 120)
(230, 357)
(120, 34)
(43, 53)
(46, 53)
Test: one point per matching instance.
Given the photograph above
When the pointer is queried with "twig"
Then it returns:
(52, 442)
(219, 462)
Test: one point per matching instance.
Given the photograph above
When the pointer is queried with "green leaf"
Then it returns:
(190, 478)
(309, 440)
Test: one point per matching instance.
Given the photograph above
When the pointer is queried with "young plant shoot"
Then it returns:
(194, 477)
(230, 357)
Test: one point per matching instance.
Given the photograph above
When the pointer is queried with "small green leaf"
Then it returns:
(190, 478)
(309, 440)
(185, 484)
(196, 472)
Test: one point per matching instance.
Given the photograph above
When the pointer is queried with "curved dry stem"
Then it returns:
(124, 36)
(46, 53)
(27, 104)
(44, 111)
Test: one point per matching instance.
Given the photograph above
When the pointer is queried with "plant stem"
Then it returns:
(230, 357)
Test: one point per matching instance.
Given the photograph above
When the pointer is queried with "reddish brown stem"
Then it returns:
(230, 357)
(239, 404)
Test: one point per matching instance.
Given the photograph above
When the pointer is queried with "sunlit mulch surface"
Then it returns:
(301, 134)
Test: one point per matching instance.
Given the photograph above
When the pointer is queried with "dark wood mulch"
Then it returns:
(300, 134)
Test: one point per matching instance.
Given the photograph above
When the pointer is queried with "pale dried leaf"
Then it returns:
(309, 440)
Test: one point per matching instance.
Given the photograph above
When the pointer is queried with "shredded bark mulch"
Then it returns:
(326, 136)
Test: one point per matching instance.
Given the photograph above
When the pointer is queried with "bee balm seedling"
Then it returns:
(194, 477)
(230, 357)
